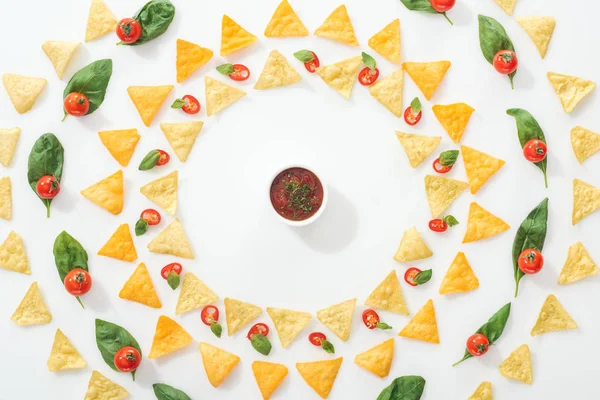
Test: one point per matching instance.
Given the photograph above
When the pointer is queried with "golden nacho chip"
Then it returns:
(102, 388)
(148, 99)
(441, 193)
(338, 27)
(388, 91)
(338, 318)
(268, 377)
(182, 136)
(64, 355)
(570, 89)
(483, 392)
(412, 247)
(285, 22)
(552, 317)
(320, 375)
(120, 245)
(540, 30)
(454, 118)
(234, 37)
(100, 21)
(168, 337)
(220, 95)
(23, 91)
(427, 75)
(59, 54)
(386, 42)
(423, 326)
(341, 75)
(5, 198)
(417, 147)
(378, 359)
(190, 57)
(239, 314)
(388, 296)
(108, 193)
(479, 167)
(459, 277)
(579, 265)
(288, 323)
(482, 224)
(13, 256)
(276, 72)
(163, 192)
(194, 294)
(507, 5)
(518, 365)
(32, 310)
(218, 363)
(585, 143)
(172, 240)
(8, 144)
(586, 200)
(120, 144)
(139, 288)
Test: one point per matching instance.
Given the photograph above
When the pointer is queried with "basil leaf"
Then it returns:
(150, 160)
(261, 344)
(408, 387)
(217, 329)
(383, 326)
(423, 277)
(423, 6)
(328, 346)
(68, 255)
(448, 158)
(173, 280)
(416, 105)
(178, 103)
(492, 39)
(528, 129)
(368, 61)
(225, 69)
(46, 158)
(163, 391)
(450, 220)
(92, 81)
(154, 18)
(530, 235)
(111, 338)
(141, 227)
(304, 55)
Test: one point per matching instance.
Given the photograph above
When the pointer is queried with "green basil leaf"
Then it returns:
(448, 157)
(154, 18)
(450, 220)
(416, 105)
(328, 346)
(217, 329)
(423, 277)
(163, 391)
(225, 69)
(304, 55)
(46, 158)
(368, 61)
(150, 160)
(383, 326)
(178, 103)
(423, 6)
(173, 280)
(261, 344)
(68, 254)
(111, 338)
(408, 387)
(92, 81)
(492, 39)
(141, 227)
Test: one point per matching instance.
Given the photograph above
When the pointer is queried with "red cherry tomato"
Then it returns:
(173, 267)
(163, 159)
(209, 315)
(192, 105)
(312, 66)
(127, 359)
(478, 344)
(151, 216)
(411, 118)
(258, 328)
(240, 72)
(442, 5)
(78, 282)
(438, 225)
(439, 168)
(368, 76)
(535, 150)
(317, 339)
(76, 104)
(370, 318)
(47, 187)
(531, 261)
(505, 62)
(129, 30)
(410, 275)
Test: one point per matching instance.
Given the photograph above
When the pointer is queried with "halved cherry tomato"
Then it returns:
(410, 274)
(442, 5)
(47, 187)
(312, 66)
(127, 359)
(76, 104)
(151, 216)
(411, 118)
(163, 159)
(478, 344)
(439, 168)
(438, 225)
(240, 72)
(368, 76)
(171, 268)
(129, 30)
(209, 315)
(530, 261)
(317, 338)
(535, 150)
(371, 320)
(505, 62)
(258, 328)
(78, 282)
(188, 104)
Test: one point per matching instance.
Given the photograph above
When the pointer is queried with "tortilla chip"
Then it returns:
(220, 95)
(454, 118)
(388, 91)
(182, 136)
(479, 167)
(483, 392)
(5, 198)
(518, 365)
(386, 42)
(585, 143)
(120, 144)
(64, 355)
(101, 388)
(423, 325)
(378, 359)
(139, 288)
(586, 200)
(441, 193)
(459, 277)
(277, 72)
(553, 317)
(285, 22)
(120, 245)
(168, 337)
(388, 296)
(239, 314)
(218, 363)
(100, 21)
(12, 254)
(540, 30)
(482, 224)
(32, 310)
(148, 99)
(320, 375)
(570, 89)
(194, 294)
(163, 192)
(268, 377)
(23, 91)
(579, 265)
(172, 240)
(338, 318)
(288, 323)
(234, 37)
(190, 57)
(412, 247)
(59, 54)
(427, 75)
(108, 193)
(341, 75)
(8, 144)
(338, 27)
(417, 147)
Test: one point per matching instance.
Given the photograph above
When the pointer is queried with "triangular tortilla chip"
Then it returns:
(378, 359)
(268, 377)
(59, 54)
(120, 245)
(100, 21)
(285, 22)
(13, 256)
(585, 143)
(518, 365)
(172, 240)
(417, 147)
(320, 375)
(540, 30)
(168, 337)
(288, 323)
(102, 388)
(570, 89)
(454, 118)
(108, 193)
(139, 288)
(239, 314)
(338, 27)
(388, 296)
(5, 198)
(194, 294)
(386, 42)
(120, 144)
(163, 192)
(479, 167)
(412, 247)
(388, 91)
(427, 75)
(276, 72)
(8, 144)
(182, 136)
(423, 325)
(64, 355)
(32, 310)
(459, 277)
(586, 200)
(441, 193)
(23, 91)
(338, 318)
(220, 95)
(552, 317)
(342, 75)
(507, 5)
(482, 224)
(234, 37)
(148, 99)
(579, 265)
(483, 392)
(190, 57)
(218, 363)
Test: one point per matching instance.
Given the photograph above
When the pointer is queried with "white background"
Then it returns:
(243, 251)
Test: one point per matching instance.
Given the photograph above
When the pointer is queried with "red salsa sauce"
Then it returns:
(296, 194)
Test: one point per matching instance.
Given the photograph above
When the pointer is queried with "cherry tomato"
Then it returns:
(411, 118)
(505, 62)
(442, 5)
(531, 261)
(163, 159)
(438, 225)
(76, 104)
(312, 66)
(127, 359)
(47, 187)
(78, 282)
(410, 275)
(370, 318)
(317, 339)
(535, 150)
(192, 105)
(209, 315)
(240, 72)
(258, 328)
(129, 30)
(151, 216)
(167, 269)
(368, 76)
(478, 344)
(439, 168)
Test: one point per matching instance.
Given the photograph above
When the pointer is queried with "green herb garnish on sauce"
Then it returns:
(299, 197)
